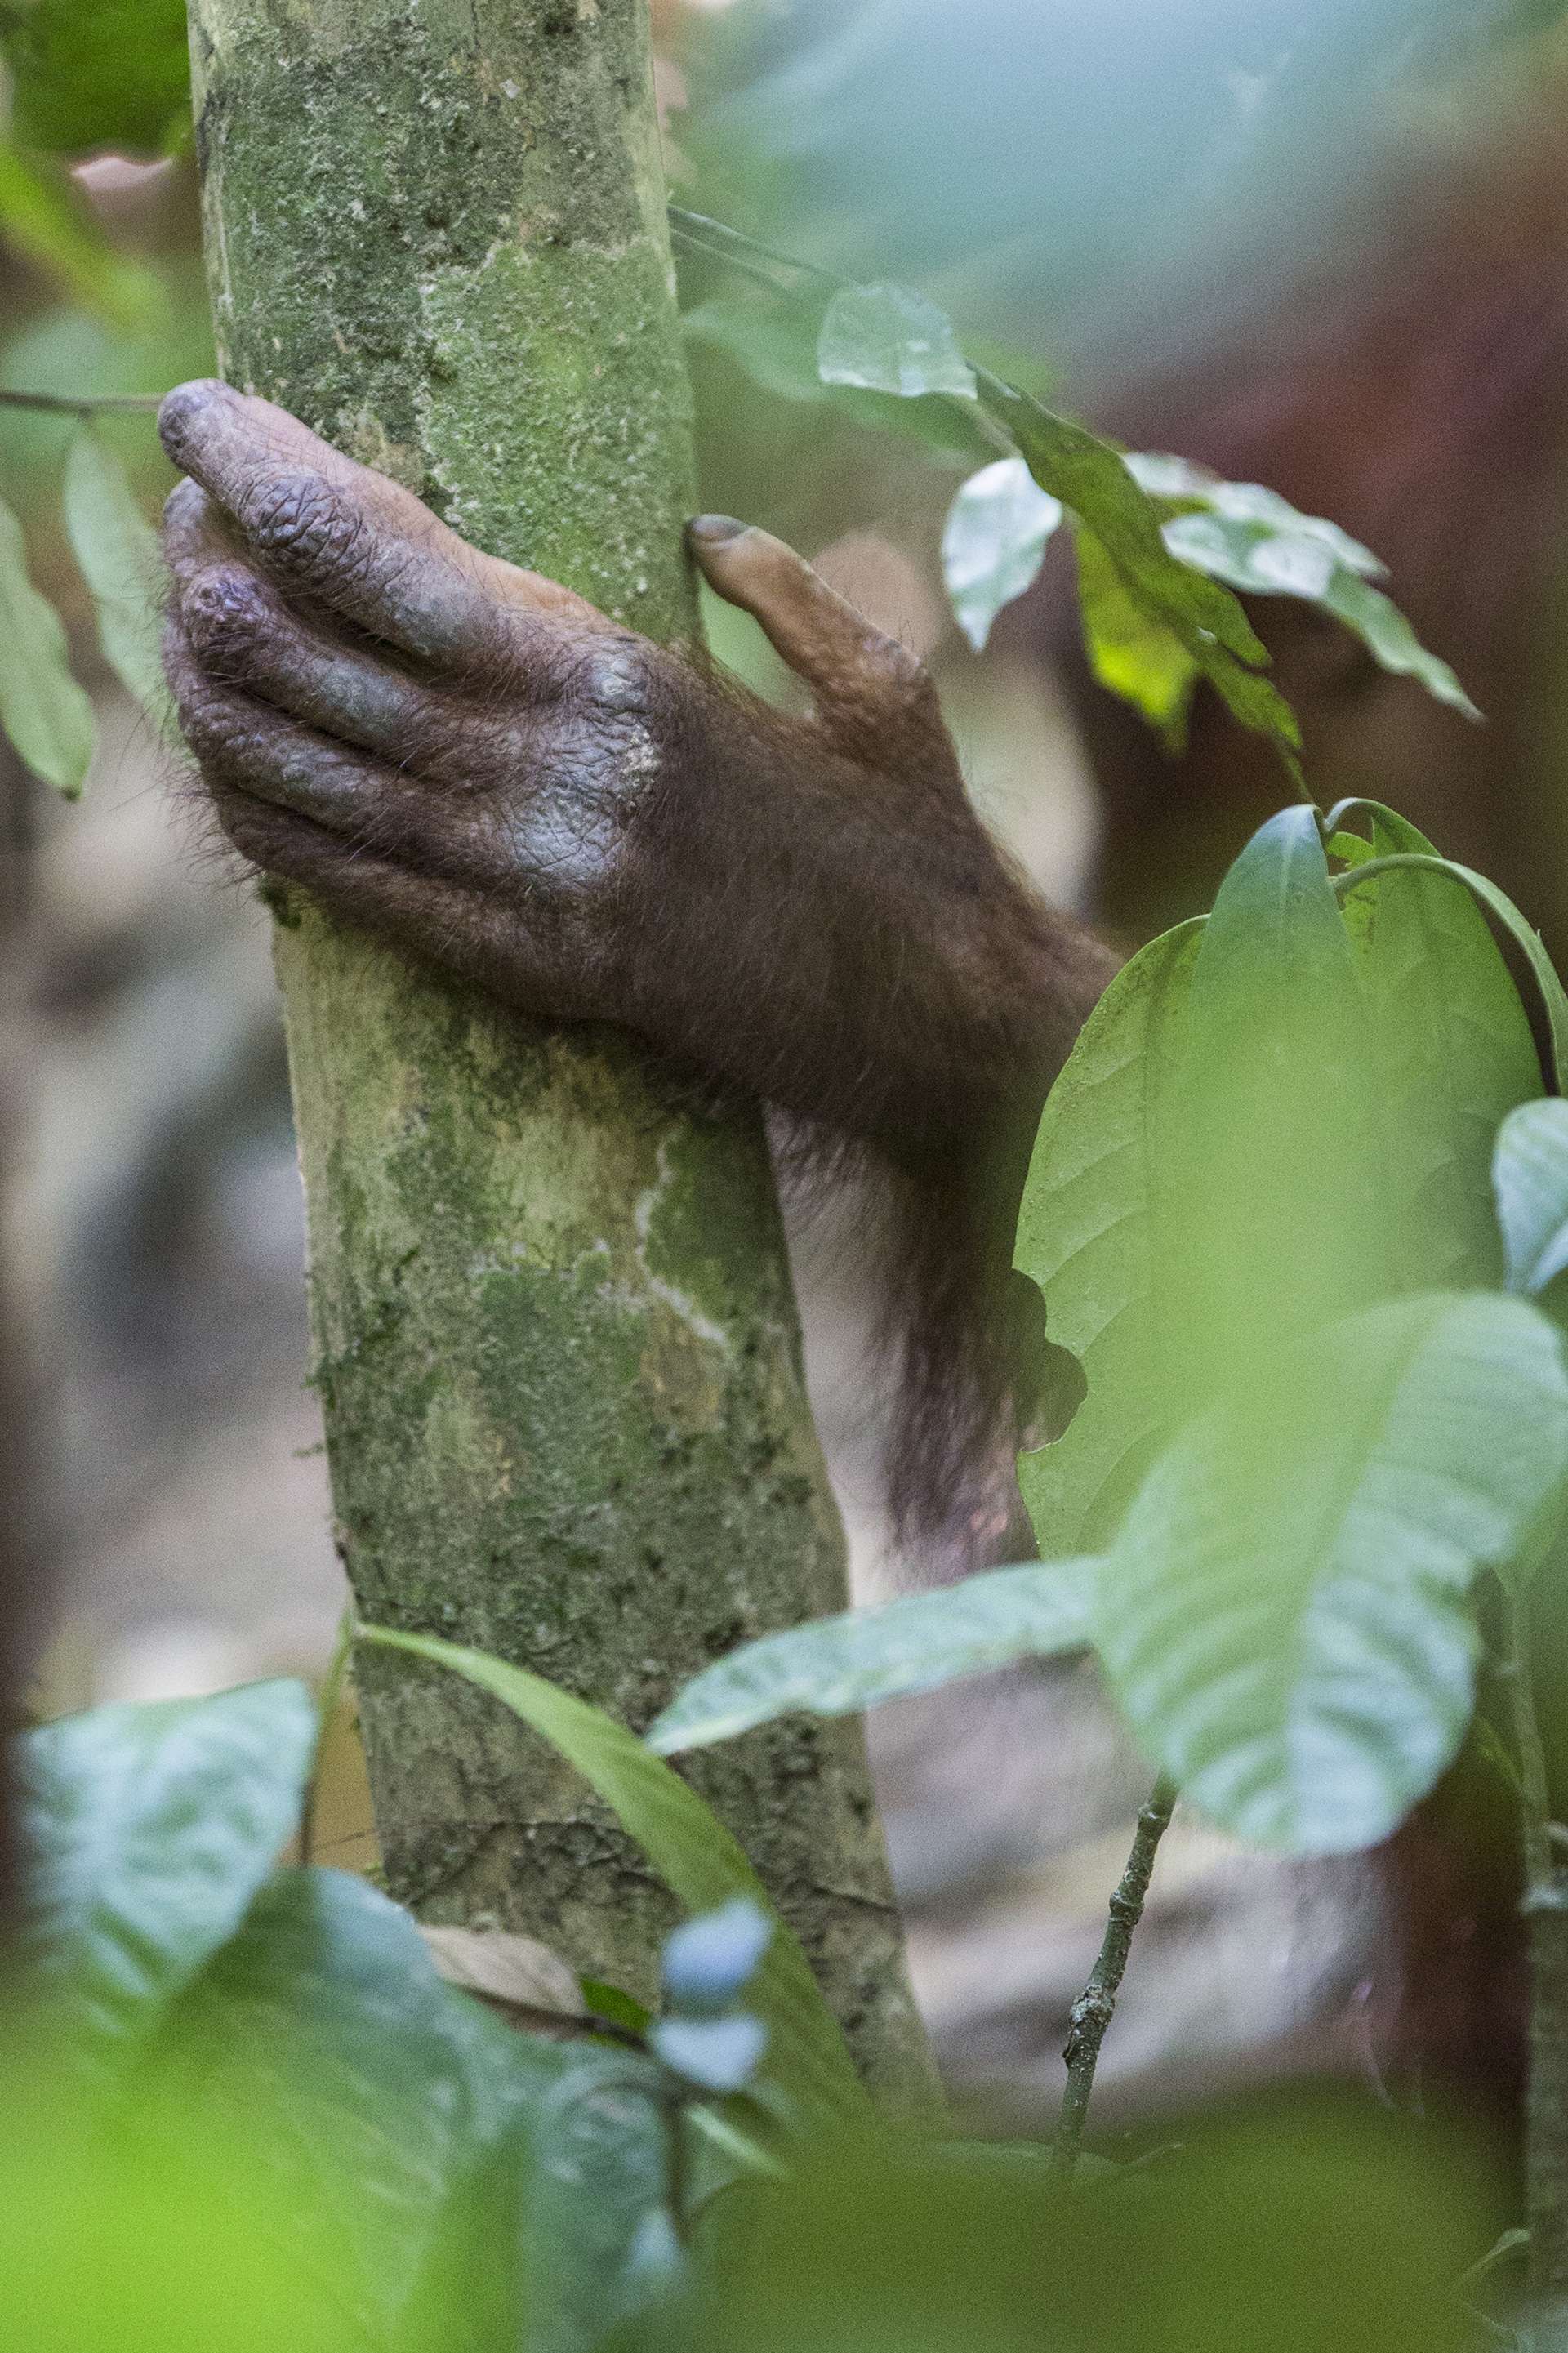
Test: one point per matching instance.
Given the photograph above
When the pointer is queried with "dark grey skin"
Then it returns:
(475, 763)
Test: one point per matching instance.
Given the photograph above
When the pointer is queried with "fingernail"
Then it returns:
(715, 527)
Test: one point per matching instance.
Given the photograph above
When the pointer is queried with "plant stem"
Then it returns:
(1545, 1907)
(1096, 2005)
(100, 403)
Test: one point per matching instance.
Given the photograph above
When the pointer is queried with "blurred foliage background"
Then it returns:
(1317, 243)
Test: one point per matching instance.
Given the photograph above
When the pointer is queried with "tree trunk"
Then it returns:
(555, 1340)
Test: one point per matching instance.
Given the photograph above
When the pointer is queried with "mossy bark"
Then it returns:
(555, 1338)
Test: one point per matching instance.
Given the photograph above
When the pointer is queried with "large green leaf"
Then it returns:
(98, 73)
(1098, 1224)
(1553, 1000)
(839, 1665)
(117, 550)
(42, 709)
(147, 1831)
(1284, 1218)
(690, 1847)
(1529, 1174)
(433, 2155)
(1451, 1047)
(1285, 1616)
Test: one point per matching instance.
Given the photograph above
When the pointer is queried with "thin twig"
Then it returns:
(101, 403)
(1093, 2011)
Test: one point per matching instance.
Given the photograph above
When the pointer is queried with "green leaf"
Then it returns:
(1224, 1128)
(1256, 541)
(98, 73)
(1555, 1003)
(42, 709)
(1450, 1044)
(1091, 479)
(993, 542)
(42, 217)
(149, 1830)
(1177, 481)
(1096, 1229)
(1131, 655)
(117, 550)
(839, 1665)
(1281, 1144)
(886, 339)
(690, 1849)
(422, 2142)
(776, 343)
(1285, 1616)
(1529, 1174)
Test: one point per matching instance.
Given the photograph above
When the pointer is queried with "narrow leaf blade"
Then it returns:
(839, 1665)
(690, 1849)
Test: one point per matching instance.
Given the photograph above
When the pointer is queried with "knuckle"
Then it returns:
(615, 677)
(224, 611)
(302, 521)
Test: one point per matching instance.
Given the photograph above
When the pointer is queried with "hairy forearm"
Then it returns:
(927, 996)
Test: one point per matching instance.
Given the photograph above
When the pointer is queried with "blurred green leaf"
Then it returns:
(117, 550)
(1257, 542)
(1178, 483)
(1256, 1133)
(89, 74)
(887, 339)
(42, 709)
(691, 1850)
(993, 542)
(1529, 1174)
(1450, 1046)
(1099, 1222)
(432, 2158)
(839, 1665)
(776, 343)
(1130, 653)
(130, 2242)
(1280, 2232)
(43, 219)
(1285, 1614)
(147, 1831)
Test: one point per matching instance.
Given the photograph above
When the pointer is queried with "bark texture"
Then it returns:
(555, 1339)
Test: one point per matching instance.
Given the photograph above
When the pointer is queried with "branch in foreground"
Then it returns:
(1096, 2006)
